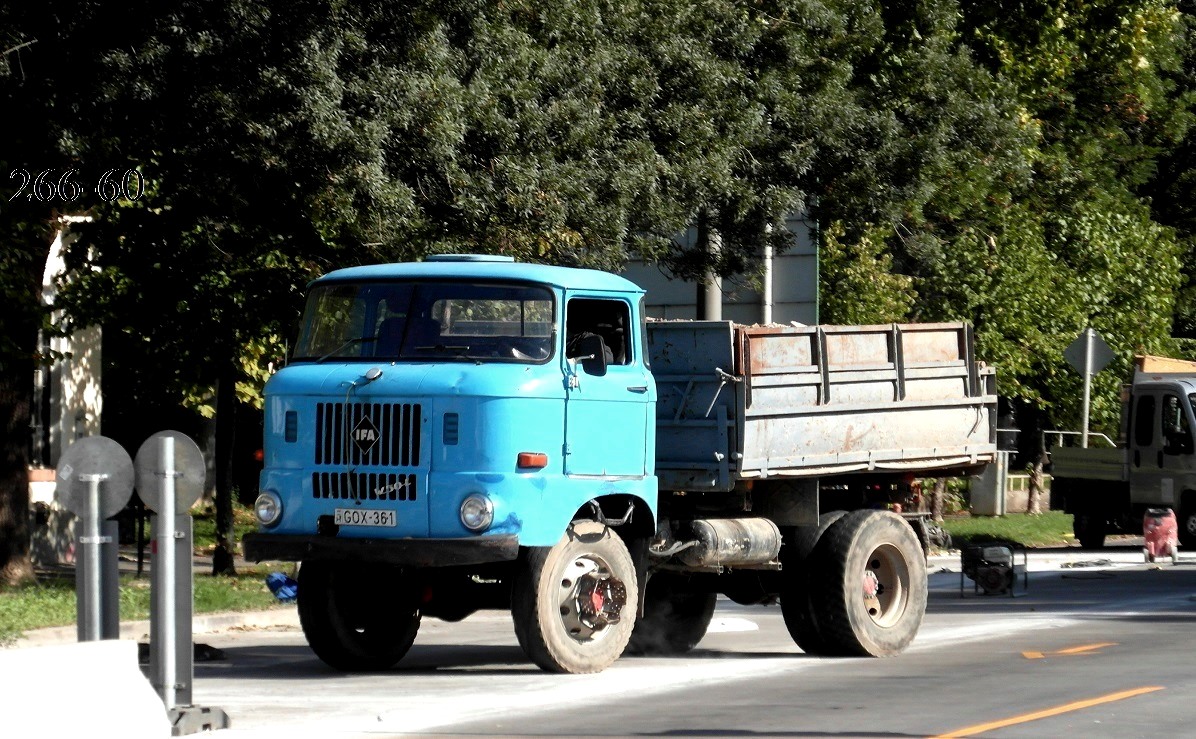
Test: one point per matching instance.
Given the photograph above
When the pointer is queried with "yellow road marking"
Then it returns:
(1046, 713)
(1087, 648)
(1071, 650)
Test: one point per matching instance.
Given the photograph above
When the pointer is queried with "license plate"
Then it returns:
(365, 517)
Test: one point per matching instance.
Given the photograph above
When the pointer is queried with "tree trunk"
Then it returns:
(937, 493)
(226, 424)
(1033, 449)
(1037, 486)
(16, 394)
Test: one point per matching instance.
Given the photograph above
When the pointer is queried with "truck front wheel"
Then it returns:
(357, 617)
(675, 619)
(1187, 523)
(574, 603)
(1089, 529)
(871, 585)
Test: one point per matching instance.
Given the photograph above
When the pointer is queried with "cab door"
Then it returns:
(608, 410)
(1161, 451)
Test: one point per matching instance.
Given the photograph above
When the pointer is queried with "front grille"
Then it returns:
(397, 427)
(363, 486)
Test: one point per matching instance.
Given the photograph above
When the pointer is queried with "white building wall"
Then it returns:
(794, 284)
(74, 412)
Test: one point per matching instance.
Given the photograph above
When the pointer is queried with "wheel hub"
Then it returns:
(600, 600)
(871, 584)
(591, 598)
(885, 585)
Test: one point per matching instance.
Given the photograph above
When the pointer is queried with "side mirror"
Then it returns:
(591, 351)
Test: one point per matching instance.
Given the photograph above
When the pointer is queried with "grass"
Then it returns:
(51, 601)
(1049, 529)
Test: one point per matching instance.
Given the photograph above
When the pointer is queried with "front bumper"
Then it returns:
(405, 552)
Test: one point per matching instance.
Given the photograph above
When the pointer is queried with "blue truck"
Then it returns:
(469, 432)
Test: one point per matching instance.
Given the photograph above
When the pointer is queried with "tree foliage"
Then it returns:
(1020, 164)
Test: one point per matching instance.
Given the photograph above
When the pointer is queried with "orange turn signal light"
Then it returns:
(532, 460)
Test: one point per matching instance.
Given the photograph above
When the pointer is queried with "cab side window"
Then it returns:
(608, 319)
(1177, 434)
(1144, 421)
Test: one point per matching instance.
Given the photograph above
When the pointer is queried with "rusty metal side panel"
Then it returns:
(759, 401)
(832, 399)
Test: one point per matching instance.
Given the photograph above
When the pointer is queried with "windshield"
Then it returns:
(427, 321)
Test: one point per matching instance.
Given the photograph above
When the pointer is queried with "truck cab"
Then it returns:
(1161, 459)
(429, 428)
(443, 400)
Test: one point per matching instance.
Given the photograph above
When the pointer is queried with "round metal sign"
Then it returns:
(190, 471)
(87, 457)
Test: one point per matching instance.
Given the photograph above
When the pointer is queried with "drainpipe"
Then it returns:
(766, 293)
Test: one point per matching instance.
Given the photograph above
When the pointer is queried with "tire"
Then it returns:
(1089, 530)
(359, 617)
(801, 618)
(556, 632)
(675, 617)
(872, 588)
(1187, 525)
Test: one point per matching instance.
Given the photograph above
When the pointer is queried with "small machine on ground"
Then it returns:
(1160, 534)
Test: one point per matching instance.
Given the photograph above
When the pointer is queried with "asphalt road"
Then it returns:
(1095, 651)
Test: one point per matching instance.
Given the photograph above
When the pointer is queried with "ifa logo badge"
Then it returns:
(365, 434)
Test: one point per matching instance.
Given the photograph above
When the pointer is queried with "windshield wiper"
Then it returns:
(346, 345)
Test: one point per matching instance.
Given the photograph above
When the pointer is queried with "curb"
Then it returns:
(204, 623)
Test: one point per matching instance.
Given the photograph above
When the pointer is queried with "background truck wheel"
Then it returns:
(1187, 524)
(675, 617)
(574, 603)
(1089, 530)
(801, 619)
(871, 577)
(357, 617)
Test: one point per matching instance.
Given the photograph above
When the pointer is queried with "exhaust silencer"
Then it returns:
(732, 541)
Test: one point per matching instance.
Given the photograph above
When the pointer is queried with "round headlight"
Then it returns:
(477, 513)
(268, 508)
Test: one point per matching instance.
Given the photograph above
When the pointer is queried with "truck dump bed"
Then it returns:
(776, 401)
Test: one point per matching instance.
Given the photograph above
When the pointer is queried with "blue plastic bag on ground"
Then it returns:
(283, 587)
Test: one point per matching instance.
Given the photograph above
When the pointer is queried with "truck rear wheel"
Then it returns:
(675, 618)
(357, 617)
(574, 603)
(801, 618)
(871, 577)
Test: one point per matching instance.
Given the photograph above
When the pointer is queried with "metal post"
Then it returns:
(766, 291)
(165, 595)
(1088, 335)
(93, 628)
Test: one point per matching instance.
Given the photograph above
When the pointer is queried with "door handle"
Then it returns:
(638, 388)
(1137, 458)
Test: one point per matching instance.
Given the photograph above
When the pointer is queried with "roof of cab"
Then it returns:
(473, 266)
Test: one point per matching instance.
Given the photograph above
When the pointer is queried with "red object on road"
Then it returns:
(1161, 534)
